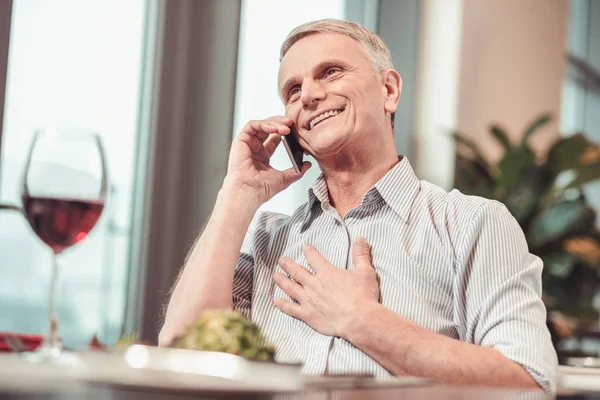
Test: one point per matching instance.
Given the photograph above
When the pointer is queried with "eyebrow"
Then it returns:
(287, 85)
(318, 68)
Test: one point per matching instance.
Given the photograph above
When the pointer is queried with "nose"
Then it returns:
(312, 93)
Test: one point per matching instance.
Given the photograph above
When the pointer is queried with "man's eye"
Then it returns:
(292, 93)
(331, 71)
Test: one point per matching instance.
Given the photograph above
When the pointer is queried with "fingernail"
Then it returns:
(306, 246)
(362, 241)
(281, 260)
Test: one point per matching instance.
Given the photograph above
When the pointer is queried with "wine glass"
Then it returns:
(64, 191)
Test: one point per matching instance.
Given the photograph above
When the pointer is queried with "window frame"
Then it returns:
(5, 19)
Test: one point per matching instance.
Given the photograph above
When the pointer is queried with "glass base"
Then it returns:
(51, 355)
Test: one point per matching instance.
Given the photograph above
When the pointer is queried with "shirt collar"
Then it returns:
(318, 191)
(398, 188)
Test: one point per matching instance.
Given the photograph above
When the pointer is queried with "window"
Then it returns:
(264, 26)
(580, 108)
(72, 63)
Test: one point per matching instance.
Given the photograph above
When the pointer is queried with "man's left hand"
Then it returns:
(332, 298)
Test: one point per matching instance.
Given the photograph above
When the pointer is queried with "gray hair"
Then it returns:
(375, 49)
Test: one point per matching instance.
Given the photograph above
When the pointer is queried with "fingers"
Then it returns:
(316, 261)
(290, 175)
(280, 119)
(305, 167)
(290, 309)
(292, 289)
(271, 144)
(295, 271)
(263, 128)
(361, 253)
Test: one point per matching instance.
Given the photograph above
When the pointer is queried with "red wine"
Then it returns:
(61, 223)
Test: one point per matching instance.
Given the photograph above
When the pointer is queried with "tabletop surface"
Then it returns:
(104, 378)
(92, 391)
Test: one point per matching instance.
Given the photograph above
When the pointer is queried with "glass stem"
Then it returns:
(52, 340)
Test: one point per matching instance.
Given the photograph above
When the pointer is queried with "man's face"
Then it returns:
(333, 94)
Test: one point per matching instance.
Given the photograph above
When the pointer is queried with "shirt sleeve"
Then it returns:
(243, 278)
(501, 282)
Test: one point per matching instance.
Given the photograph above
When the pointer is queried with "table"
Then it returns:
(19, 380)
(107, 392)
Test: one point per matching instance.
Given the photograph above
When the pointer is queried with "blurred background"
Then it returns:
(501, 98)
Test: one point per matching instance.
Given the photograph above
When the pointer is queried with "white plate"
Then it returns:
(182, 370)
(153, 367)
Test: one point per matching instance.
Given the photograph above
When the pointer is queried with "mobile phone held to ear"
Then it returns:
(293, 148)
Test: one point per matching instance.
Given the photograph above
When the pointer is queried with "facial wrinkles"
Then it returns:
(354, 90)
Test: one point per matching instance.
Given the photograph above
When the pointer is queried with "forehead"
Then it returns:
(314, 49)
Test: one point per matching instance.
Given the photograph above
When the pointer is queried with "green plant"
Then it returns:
(225, 331)
(546, 196)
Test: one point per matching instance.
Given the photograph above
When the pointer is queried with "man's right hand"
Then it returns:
(249, 169)
(206, 281)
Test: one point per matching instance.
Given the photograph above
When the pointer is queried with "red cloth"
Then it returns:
(30, 341)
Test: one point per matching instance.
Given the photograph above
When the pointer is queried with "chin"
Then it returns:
(325, 147)
(329, 140)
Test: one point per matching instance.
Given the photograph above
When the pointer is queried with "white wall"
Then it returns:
(483, 62)
(512, 68)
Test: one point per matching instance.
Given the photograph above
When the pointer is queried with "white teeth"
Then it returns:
(323, 116)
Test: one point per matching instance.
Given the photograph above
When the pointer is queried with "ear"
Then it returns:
(392, 88)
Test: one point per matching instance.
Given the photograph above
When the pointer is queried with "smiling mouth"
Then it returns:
(323, 117)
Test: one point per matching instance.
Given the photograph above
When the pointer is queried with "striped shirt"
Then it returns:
(457, 265)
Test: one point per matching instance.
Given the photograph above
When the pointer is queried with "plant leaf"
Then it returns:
(462, 139)
(470, 145)
(571, 152)
(523, 198)
(473, 177)
(586, 248)
(586, 75)
(559, 221)
(535, 125)
(512, 165)
(559, 264)
(585, 174)
(578, 291)
(500, 136)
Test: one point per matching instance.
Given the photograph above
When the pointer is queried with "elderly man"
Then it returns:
(378, 272)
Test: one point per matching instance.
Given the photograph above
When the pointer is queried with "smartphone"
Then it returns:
(293, 148)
